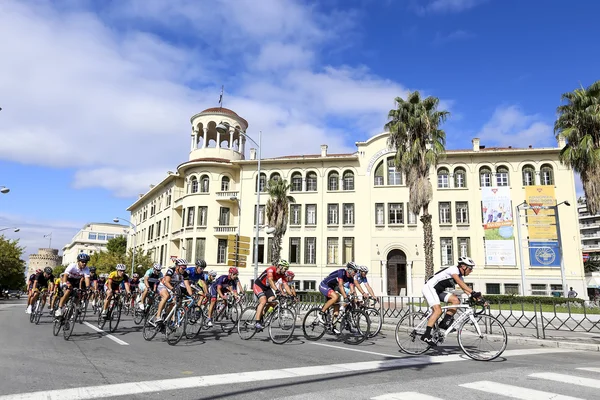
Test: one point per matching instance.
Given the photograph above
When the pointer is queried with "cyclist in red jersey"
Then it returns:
(265, 288)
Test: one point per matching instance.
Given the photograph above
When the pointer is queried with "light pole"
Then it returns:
(520, 246)
(117, 219)
(4, 190)
(239, 204)
(559, 238)
(11, 227)
(222, 128)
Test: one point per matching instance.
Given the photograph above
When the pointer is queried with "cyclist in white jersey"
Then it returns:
(434, 291)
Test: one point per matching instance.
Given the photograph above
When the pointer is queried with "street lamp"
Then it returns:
(223, 127)
(4, 190)
(12, 227)
(116, 220)
(520, 246)
(558, 236)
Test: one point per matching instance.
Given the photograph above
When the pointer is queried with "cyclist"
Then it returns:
(30, 281)
(93, 284)
(42, 281)
(72, 277)
(224, 283)
(212, 275)
(151, 279)
(265, 288)
(113, 285)
(289, 277)
(101, 282)
(333, 286)
(197, 276)
(175, 276)
(434, 292)
(361, 278)
(56, 292)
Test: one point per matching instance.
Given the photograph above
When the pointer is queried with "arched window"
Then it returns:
(225, 184)
(394, 176)
(379, 175)
(333, 181)
(263, 182)
(460, 178)
(528, 175)
(546, 175)
(502, 176)
(485, 177)
(348, 180)
(204, 183)
(275, 177)
(193, 185)
(311, 182)
(296, 182)
(443, 177)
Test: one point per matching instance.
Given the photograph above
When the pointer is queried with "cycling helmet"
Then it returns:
(105, 275)
(200, 263)
(363, 268)
(180, 261)
(212, 273)
(92, 269)
(121, 267)
(289, 274)
(283, 264)
(468, 261)
(37, 271)
(157, 267)
(352, 265)
(135, 275)
(233, 270)
(48, 270)
(83, 257)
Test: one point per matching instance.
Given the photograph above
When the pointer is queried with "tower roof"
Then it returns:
(224, 111)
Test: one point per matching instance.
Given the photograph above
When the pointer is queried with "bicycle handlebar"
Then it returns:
(476, 303)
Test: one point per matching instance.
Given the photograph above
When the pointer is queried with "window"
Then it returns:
(294, 257)
(311, 214)
(511, 288)
(200, 248)
(261, 215)
(150, 232)
(546, 175)
(152, 209)
(379, 214)
(261, 250)
(295, 214)
(443, 176)
(294, 284)
(485, 177)
(379, 175)
(396, 213)
(332, 251)
(222, 251)
(348, 250)
(309, 285)
(460, 178)
(269, 250)
(412, 217)
(464, 247)
(204, 183)
(394, 176)
(263, 182)
(109, 236)
(556, 289)
(158, 225)
(349, 214)
(183, 218)
(446, 251)
(538, 289)
(296, 182)
(101, 236)
(333, 214)
(193, 185)
(310, 250)
(528, 175)
(202, 215)
(168, 198)
(333, 181)
(311, 182)
(189, 246)
(502, 176)
(348, 180)
(462, 212)
(225, 184)
(275, 177)
(445, 215)
(224, 216)
(92, 236)
(492, 288)
(190, 216)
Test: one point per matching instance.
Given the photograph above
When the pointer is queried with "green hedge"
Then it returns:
(508, 298)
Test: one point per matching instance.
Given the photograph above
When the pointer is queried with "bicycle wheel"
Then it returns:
(70, 320)
(376, 321)
(150, 330)
(229, 317)
(138, 316)
(246, 323)
(33, 311)
(38, 313)
(115, 317)
(282, 325)
(176, 326)
(482, 337)
(83, 311)
(312, 326)
(57, 326)
(354, 327)
(408, 333)
(195, 320)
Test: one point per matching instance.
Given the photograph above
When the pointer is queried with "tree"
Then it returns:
(591, 265)
(419, 144)
(579, 122)
(277, 213)
(106, 261)
(117, 245)
(59, 269)
(12, 266)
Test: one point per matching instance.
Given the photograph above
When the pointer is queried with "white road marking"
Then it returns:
(590, 369)
(405, 396)
(570, 379)
(357, 350)
(515, 392)
(111, 337)
(160, 385)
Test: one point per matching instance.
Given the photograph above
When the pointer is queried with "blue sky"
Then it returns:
(97, 95)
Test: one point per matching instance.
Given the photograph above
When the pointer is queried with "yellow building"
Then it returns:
(355, 207)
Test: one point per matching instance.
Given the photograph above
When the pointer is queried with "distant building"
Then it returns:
(91, 238)
(44, 258)
(589, 226)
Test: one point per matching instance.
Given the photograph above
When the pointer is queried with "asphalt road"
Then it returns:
(36, 364)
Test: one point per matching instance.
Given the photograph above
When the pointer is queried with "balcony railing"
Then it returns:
(225, 229)
(227, 195)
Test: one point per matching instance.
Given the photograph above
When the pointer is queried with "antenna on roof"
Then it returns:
(221, 98)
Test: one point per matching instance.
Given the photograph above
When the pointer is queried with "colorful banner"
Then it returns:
(544, 254)
(541, 223)
(498, 226)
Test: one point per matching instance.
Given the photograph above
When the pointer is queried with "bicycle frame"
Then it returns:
(468, 313)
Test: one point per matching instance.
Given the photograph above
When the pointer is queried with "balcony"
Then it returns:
(591, 247)
(225, 229)
(227, 195)
(176, 233)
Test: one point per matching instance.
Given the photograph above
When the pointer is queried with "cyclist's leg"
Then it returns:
(454, 300)
(330, 296)
(433, 301)
(109, 293)
(262, 301)
(164, 297)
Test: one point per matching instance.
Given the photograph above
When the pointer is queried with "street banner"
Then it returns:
(544, 254)
(541, 223)
(498, 226)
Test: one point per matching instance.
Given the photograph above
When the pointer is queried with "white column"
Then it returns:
(304, 183)
(205, 140)
(243, 145)
(193, 144)
(451, 181)
(218, 140)
(384, 277)
(231, 131)
(409, 288)
(537, 177)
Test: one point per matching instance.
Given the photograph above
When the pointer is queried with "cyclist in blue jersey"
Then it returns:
(150, 282)
(333, 286)
(224, 283)
(197, 276)
(361, 279)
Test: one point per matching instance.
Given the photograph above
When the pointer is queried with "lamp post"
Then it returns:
(559, 238)
(222, 128)
(4, 190)
(11, 227)
(520, 246)
(117, 219)
(239, 204)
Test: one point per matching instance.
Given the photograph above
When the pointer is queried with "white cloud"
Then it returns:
(510, 126)
(454, 36)
(449, 6)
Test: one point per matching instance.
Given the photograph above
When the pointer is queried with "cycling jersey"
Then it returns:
(225, 283)
(434, 288)
(42, 281)
(30, 280)
(153, 277)
(331, 281)
(57, 281)
(195, 276)
(134, 284)
(271, 272)
(358, 278)
(74, 273)
(93, 277)
(116, 279)
(101, 283)
(177, 279)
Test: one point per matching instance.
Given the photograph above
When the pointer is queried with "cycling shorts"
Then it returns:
(259, 291)
(325, 290)
(433, 297)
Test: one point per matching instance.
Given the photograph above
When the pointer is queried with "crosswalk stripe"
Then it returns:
(570, 379)
(515, 392)
(405, 396)
(589, 369)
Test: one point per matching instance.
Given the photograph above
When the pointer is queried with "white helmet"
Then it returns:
(212, 273)
(363, 268)
(468, 261)
(156, 267)
(121, 267)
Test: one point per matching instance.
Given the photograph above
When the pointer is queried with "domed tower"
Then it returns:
(208, 142)
(43, 258)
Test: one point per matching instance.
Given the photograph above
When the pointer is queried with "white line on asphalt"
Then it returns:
(162, 385)
(405, 396)
(360, 351)
(573, 380)
(590, 369)
(515, 392)
(111, 337)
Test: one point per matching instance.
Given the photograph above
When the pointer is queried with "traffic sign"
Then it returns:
(240, 264)
(231, 245)
(232, 256)
(241, 239)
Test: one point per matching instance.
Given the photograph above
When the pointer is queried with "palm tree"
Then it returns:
(277, 213)
(419, 145)
(579, 122)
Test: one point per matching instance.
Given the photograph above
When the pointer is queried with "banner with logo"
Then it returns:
(541, 223)
(497, 214)
(544, 254)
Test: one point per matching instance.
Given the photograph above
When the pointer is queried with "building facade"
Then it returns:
(91, 238)
(589, 226)
(356, 207)
(42, 259)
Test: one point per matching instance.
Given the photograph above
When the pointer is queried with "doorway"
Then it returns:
(396, 273)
